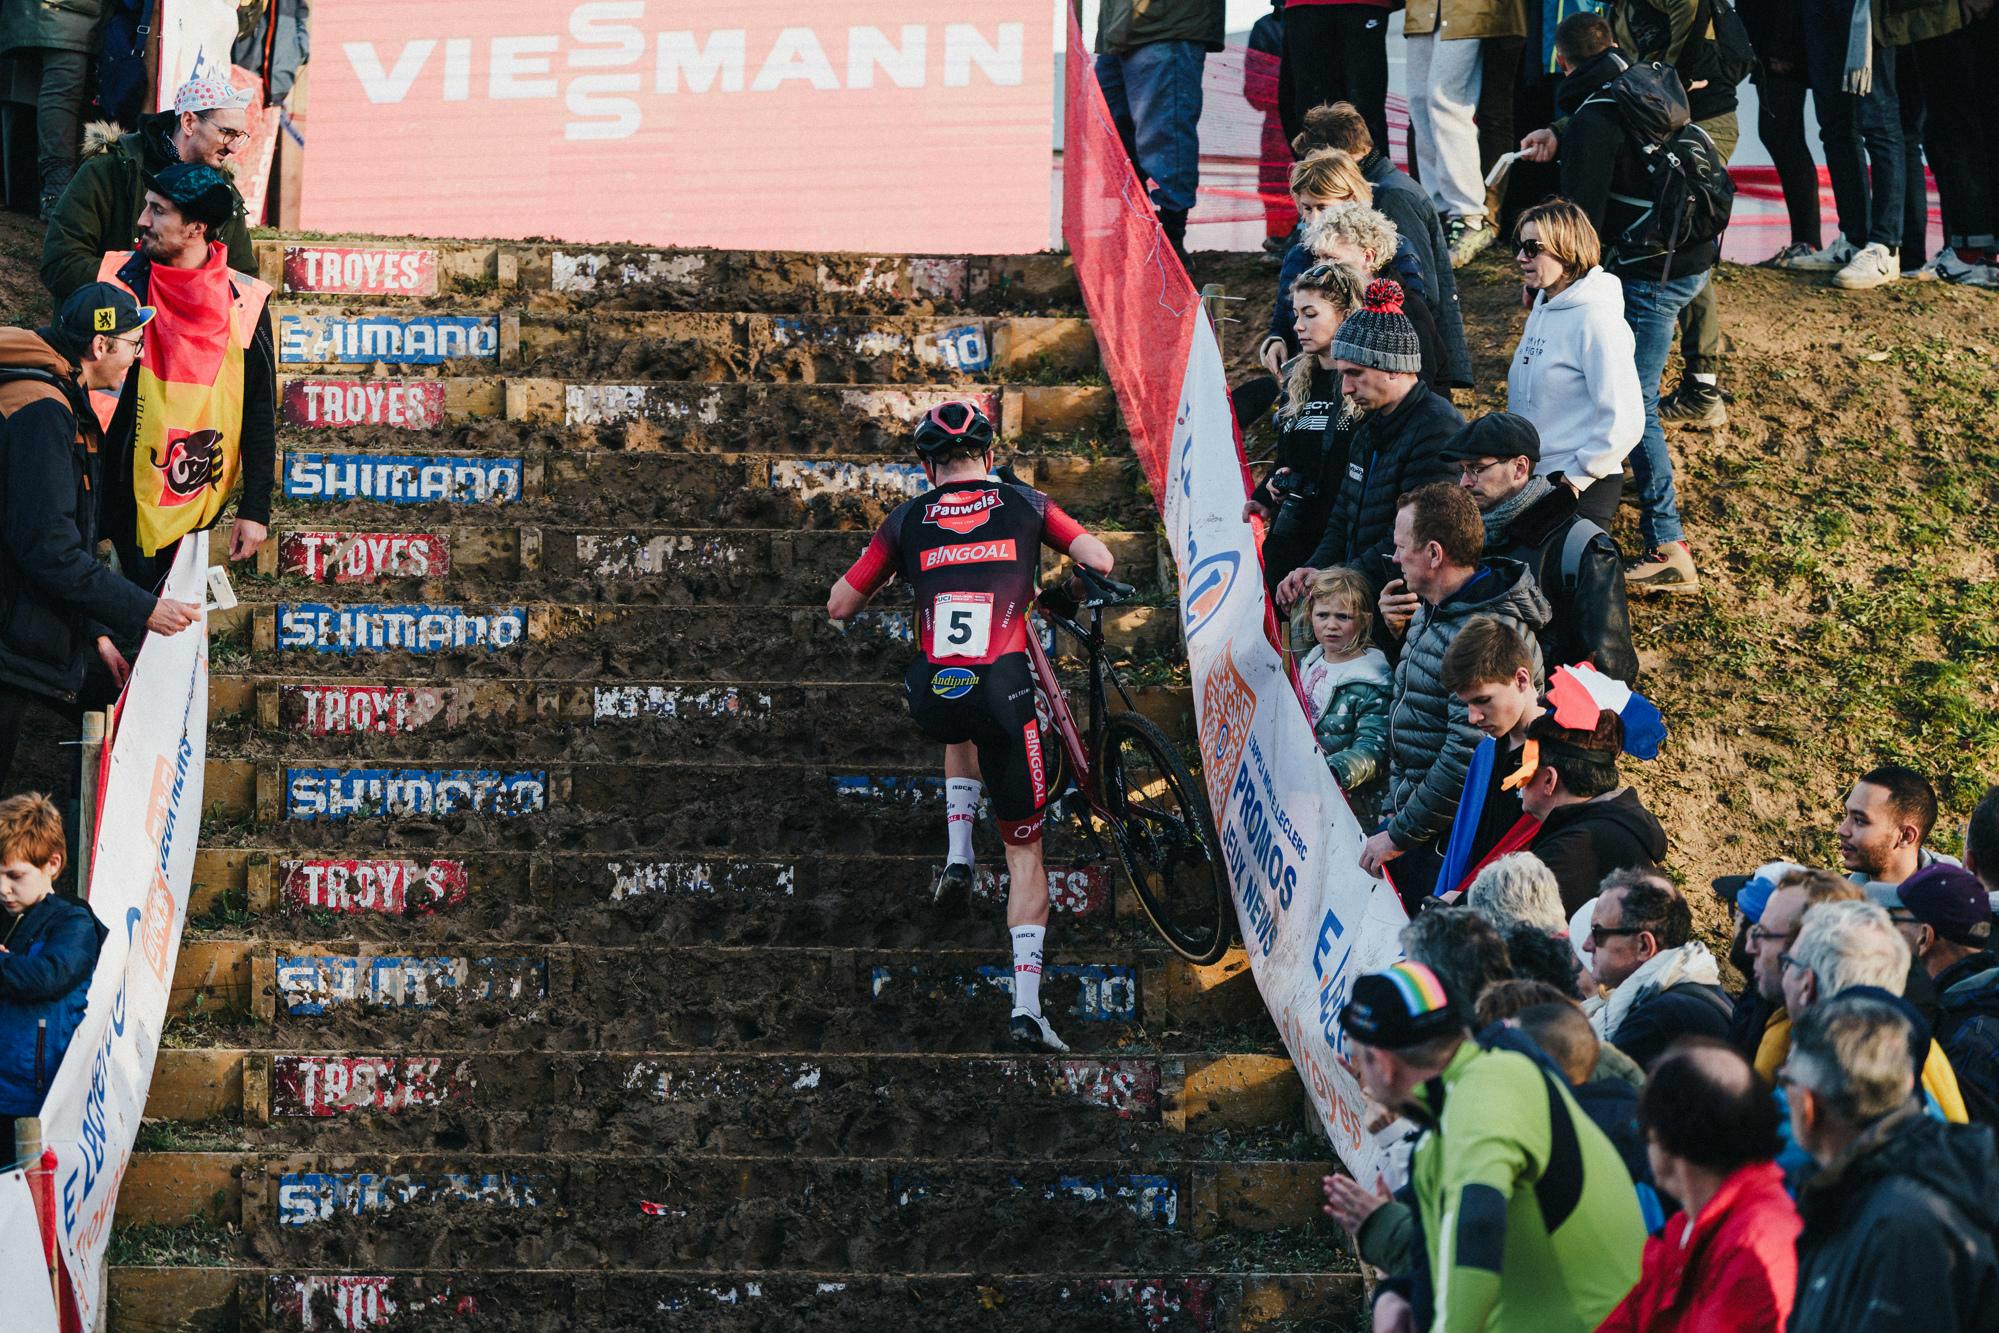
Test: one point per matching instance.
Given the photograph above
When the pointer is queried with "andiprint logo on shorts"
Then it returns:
(961, 511)
(972, 553)
(953, 682)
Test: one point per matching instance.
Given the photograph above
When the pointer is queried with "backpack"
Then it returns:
(1692, 193)
(1734, 57)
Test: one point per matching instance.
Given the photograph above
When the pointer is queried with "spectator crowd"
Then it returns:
(1585, 1127)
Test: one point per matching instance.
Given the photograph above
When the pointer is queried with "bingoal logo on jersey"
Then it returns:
(973, 553)
(961, 511)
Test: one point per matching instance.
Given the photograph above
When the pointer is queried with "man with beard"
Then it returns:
(197, 421)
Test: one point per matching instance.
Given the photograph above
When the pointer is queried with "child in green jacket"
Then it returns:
(1348, 685)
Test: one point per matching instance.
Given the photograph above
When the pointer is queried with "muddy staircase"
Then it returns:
(557, 957)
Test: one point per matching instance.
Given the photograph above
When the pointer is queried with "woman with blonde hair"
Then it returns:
(1314, 421)
(1322, 181)
(1575, 372)
(1365, 240)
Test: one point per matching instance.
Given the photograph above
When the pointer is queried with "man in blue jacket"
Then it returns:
(48, 949)
(61, 609)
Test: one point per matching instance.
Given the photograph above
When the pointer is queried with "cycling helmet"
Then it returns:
(953, 428)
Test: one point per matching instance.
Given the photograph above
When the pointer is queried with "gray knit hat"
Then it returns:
(1379, 334)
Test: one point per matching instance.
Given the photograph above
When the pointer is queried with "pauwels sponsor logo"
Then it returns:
(961, 511)
(1208, 585)
(973, 553)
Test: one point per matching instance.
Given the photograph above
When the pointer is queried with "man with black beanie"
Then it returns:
(199, 424)
(1395, 450)
(60, 609)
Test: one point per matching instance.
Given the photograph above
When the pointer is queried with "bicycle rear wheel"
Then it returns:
(1165, 837)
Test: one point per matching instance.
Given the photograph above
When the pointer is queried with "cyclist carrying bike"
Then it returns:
(969, 548)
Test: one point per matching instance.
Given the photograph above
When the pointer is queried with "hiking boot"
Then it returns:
(1829, 260)
(951, 890)
(1789, 255)
(1468, 239)
(1277, 245)
(1668, 569)
(1032, 1031)
(1873, 265)
(1695, 403)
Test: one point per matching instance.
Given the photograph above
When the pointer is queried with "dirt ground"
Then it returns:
(1848, 542)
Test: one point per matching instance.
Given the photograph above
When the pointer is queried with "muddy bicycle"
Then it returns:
(1126, 776)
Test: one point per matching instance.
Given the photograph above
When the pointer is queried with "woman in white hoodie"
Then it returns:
(1575, 373)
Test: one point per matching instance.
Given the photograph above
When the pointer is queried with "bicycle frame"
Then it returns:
(1073, 743)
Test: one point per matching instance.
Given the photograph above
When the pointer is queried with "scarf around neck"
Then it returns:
(1501, 515)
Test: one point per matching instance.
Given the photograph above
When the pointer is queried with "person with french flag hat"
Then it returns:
(1529, 1223)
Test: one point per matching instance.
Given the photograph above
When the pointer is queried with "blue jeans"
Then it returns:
(1847, 122)
(1652, 309)
(1154, 95)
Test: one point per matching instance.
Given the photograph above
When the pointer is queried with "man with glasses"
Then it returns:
(66, 620)
(99, 211)
(1663, 982)
(1533, 520)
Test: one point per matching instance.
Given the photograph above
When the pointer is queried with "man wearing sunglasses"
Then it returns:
(99, 212)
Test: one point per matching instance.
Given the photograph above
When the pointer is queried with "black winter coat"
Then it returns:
(1582, 843)
(1898, 1233)
(1686, 1010)
(1391, 453)
(1591, 620)
(56, 596)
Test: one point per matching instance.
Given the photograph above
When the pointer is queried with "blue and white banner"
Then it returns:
(143, 862)
(1312, 920)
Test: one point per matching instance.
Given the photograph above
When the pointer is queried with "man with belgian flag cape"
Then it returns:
(197, 422)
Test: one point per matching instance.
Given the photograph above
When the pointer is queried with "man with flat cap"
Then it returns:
(99, 211)
(197, 422)
(1533, 519)
(66, 620)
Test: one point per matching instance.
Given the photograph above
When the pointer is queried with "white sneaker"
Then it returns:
(1835, 256)
(1033, 1032)
(1874, 265)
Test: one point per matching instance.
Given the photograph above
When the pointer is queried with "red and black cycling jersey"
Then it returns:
(971, 552)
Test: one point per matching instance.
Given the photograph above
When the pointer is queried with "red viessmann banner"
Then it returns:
(877, 125)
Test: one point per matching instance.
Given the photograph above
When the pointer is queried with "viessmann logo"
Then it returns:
(961, 511)
(977, 553)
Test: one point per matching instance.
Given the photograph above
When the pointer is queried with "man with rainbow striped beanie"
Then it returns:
(1529, 1223)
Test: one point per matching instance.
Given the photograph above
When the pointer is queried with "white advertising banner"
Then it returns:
(24, 1275)
(1312, 921)
(142, 865)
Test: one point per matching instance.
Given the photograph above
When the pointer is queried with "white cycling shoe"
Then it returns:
(1033, 1032)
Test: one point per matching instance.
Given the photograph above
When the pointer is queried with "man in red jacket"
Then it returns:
(1728, 1262)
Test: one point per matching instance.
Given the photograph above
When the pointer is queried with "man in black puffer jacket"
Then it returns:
(1397, 447)
(1439, 544)
(1533, 520)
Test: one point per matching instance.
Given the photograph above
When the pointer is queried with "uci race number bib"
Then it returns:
(961, 624)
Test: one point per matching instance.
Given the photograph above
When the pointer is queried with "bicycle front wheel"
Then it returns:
(1165, 837)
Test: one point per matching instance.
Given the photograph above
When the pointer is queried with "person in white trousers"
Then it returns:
(1444, 41)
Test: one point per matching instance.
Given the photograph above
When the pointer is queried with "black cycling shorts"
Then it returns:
(992, 706)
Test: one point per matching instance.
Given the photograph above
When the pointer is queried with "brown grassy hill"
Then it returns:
(1848, 537)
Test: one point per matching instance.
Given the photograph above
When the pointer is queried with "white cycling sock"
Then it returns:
(1027, 942)
(961, 809)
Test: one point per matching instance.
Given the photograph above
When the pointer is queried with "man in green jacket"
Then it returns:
(1530, 1224)
(99, 212)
